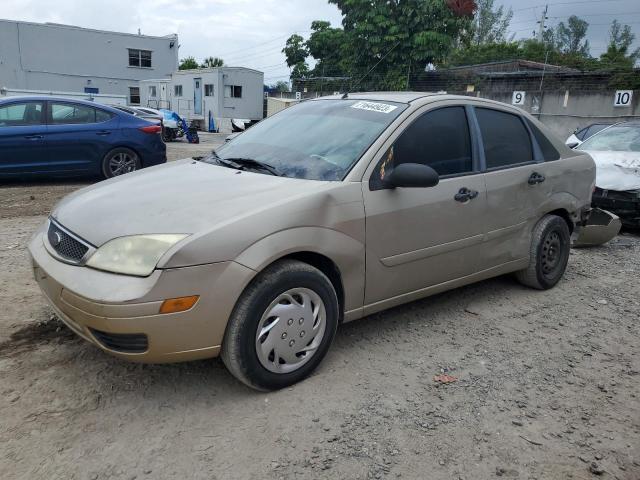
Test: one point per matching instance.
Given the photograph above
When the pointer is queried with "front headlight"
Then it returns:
(134, 255)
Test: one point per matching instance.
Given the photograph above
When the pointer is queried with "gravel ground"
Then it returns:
(547, 386)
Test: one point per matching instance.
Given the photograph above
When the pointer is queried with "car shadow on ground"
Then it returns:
(211, 373)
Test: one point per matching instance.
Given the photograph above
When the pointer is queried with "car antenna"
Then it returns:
(346, 94)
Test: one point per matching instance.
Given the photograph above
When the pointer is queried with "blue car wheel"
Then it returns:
(120, 161)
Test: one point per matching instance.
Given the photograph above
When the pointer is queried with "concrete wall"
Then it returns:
(564, 111)
(65, 58)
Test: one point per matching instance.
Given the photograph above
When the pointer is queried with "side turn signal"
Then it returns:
(175, 305)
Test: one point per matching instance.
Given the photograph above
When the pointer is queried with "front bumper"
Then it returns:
(624, 204)
(119, 313)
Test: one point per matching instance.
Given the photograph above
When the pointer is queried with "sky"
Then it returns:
(252, 33)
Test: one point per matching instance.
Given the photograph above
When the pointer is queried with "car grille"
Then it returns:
(65, 245)
(122, 342)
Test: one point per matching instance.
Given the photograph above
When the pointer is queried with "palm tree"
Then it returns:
(212, 62)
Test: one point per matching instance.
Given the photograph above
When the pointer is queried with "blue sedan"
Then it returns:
(62, 137)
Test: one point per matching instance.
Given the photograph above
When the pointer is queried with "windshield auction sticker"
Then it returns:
(374, 107)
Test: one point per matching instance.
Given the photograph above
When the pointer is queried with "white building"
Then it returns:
(220, 94)
(62, 58)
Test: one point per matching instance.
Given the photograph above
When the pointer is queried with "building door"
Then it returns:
(197, 96)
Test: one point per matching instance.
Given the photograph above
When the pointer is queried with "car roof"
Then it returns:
(628, 123)
(399, 97)
(411, 97)
(43, 98)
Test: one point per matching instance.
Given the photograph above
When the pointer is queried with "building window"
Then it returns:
(208, 89)
(139, 58)
(233, 91)
(134, 95)
(177, 90)
(152, 91)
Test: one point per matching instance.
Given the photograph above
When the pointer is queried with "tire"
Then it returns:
(120, 161)
(272, 360)
(549, 253)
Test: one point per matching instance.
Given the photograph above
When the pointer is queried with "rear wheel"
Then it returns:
(549, 253)
(120, 161)
(282, 326)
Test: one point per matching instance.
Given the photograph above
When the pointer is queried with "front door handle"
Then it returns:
(465, 194)
(34, 137)
(103, 132)
(536, 178)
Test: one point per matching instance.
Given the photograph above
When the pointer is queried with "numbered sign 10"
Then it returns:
(518, 98)
(622, 98)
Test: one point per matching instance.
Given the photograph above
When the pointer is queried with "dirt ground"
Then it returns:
(548, 386)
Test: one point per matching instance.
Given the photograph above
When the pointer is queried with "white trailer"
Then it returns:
(211, 97)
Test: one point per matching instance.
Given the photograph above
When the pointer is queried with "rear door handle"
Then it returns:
(465, 194)
(103, 132)
(536, 178)
(34, 137)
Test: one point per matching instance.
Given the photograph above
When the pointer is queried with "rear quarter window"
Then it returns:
(549, 152)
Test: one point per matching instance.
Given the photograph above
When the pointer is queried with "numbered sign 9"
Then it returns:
(518, 98)
(622, 98)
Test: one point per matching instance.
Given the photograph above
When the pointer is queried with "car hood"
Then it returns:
(617, 170)
(186, 196)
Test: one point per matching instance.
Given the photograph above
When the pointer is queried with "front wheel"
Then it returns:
(120, 161)
(281, 327)
(548, 254)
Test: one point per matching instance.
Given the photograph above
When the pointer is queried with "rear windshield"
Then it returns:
(314, 140)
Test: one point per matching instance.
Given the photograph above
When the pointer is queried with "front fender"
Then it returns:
(346, 252)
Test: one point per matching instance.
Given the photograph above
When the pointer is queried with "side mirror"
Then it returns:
(412, 175)
(573, 144)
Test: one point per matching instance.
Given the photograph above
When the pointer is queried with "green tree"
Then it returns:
(618, 55)
(280, 86)
(296, 53)
(569, 38)
(188, 63)
(490, 24)
(396, 37)
(484, 53)
(212, 62)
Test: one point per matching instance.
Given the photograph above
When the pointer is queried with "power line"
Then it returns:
(567, 3)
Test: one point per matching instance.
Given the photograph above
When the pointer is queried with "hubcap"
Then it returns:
(121, 163)
(290, 330)
(551, 252)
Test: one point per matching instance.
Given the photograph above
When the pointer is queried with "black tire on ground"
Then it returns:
(239, 350)
(549, 253)
(127, 158)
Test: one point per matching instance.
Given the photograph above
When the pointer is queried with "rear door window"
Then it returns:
(103, 116)
(505, 138)
(21, 114)
(70, 113)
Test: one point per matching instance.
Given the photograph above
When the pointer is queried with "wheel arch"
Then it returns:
(326, 266)
(566, 216)
(128, 147)
(340, 257)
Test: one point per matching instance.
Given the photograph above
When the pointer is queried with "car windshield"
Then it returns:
(315, 140)
(619, 138)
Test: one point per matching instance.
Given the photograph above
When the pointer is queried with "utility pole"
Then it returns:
(542, 20)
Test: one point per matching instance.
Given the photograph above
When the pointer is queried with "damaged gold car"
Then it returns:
(330, 210)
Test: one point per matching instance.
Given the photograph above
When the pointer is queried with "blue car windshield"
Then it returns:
(314, 140)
